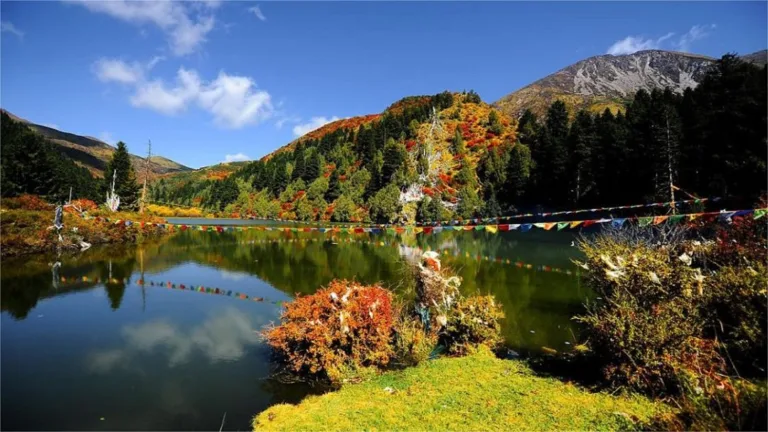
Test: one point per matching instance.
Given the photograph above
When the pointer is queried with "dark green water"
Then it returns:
(85, 346)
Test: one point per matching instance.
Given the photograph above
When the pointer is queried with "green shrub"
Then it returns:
(680, 317)
(737, 316)
(471, 323)
(412, 343)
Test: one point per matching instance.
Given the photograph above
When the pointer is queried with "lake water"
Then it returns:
(125, 338)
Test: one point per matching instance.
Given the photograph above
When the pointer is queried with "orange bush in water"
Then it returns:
(344, 327)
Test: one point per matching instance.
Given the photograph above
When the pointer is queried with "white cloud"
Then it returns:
(696, 32)
(313, 124)
(257, 11)
(239, 157)
(185, 30)
(7, 26)
(107, 70)
(233, 101)
(286, 119)
(107, 138)
(632, 44)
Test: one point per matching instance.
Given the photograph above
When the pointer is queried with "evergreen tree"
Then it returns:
(527, 128)
(32, 164)
(518, 172)
(125, 182)
(299, 165)
(494, 124)
(394, 157)
(458, 143)
(491, 207)
(314, 167)
(472, 97)
(581, 141)
(334, 187)
(469, 203)
(280, 179)
(610, 153)
(385, 205)
(551, 156)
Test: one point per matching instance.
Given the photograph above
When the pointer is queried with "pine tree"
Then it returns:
(551, 156)
(518, 173)
(527, 128)
(458, 143)
(334, 187)
(313, 168)
(280, 179)
(581, 140)
(125, 183)
(394, 157)
(469, 203)
(299, 165)
(610, 153)
(494, 124)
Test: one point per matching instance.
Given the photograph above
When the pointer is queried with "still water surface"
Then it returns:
(87, 346)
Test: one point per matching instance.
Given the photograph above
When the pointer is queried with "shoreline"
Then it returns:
(26, 232)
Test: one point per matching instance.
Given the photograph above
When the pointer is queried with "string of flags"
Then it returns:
(570, 212)
(205, 290)
(477, 226)
(169, 285)
(642, 221)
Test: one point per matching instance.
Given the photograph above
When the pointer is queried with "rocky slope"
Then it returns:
(606, 81)
(94, 154)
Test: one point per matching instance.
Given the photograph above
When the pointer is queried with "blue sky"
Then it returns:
(209, 81)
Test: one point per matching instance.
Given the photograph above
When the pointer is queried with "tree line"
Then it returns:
(709, 141)
(31, 164)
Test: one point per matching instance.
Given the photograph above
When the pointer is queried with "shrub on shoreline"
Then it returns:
(338, 330)
(683, 318)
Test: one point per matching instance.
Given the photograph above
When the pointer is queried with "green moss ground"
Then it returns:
(477, 392)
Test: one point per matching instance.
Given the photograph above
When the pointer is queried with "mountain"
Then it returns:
(94, 154)
(759, 58)
(418, 147)
(607, 81)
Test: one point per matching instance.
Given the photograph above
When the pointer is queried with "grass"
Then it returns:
(477, 392)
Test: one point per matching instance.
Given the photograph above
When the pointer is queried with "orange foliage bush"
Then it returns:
(81, 205)
(27, 202)
(346, 326)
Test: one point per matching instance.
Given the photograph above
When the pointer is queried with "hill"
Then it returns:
(452, 156)
(94, 154)
(608, 81)
(425, 153)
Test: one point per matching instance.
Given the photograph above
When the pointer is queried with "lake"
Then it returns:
(165, 335)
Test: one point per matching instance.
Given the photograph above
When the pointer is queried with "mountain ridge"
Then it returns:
(94, 154)
(606, 81)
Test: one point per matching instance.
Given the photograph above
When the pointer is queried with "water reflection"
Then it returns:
(181, 359)
(530, 274)
(222, 337)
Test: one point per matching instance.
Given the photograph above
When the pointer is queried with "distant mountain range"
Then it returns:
(94, 154)
(607, 81)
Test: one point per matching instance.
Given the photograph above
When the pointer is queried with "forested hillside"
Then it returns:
(470, 160)
(32, 164)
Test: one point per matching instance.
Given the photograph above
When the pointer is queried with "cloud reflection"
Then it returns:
(222, 337)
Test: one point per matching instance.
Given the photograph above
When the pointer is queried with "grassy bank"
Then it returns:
(477, 392)
(26, 231)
